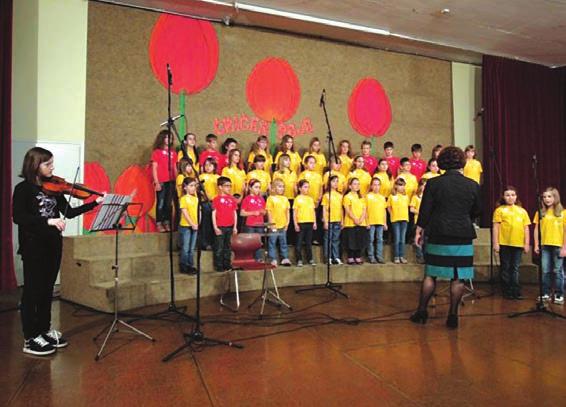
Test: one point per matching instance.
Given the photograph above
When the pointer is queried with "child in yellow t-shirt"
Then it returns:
(257, 171)
(355, 222)
(332, 221)
(411, 183)
(414, 207)
(398, 207)
(510, 238)
(285, 174)
(361, 174)
(377, 221)
(236, 174)
(473, 168)
(304, 220)
(553, 245)
(315, 151)
(260, 148)
(384, 176)
(287, 146)
(335, 169)
(432, 169)
(188, 225)
(277, 207)
(209, 183)
(185, 169)
(345, 155)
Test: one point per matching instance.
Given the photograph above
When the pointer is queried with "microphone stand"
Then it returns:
(196, 339)
(172, 309)
(539, 308)
(491, 256)
(329, 285)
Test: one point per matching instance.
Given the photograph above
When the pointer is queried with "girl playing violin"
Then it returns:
(38, 216)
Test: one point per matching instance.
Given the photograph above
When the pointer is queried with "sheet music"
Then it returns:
(110, 212)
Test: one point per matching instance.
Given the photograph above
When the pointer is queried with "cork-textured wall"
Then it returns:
(126, 103)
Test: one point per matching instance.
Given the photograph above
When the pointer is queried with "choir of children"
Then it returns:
(368, 196)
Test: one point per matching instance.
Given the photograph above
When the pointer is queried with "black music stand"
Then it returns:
(113, 212)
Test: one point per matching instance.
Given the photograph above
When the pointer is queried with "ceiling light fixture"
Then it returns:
(310, 19)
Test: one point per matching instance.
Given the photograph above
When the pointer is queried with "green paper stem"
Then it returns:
(273, 136)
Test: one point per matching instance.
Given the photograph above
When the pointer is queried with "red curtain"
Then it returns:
(7, 277)
(524, 115)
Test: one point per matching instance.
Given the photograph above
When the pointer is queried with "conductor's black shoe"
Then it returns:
(452, 321)
(419, 317)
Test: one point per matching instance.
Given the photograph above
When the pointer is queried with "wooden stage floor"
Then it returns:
(311, 357)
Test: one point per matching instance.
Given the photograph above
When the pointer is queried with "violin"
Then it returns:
(58, 186)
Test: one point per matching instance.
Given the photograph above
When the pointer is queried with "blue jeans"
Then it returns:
(551, 263)
(510, 258)
(256, 229)
(188, 242)
(281, 237)
(163, 205)
(375, 246)
(333, 233)
(399, 233)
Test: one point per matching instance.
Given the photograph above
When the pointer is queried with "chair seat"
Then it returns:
(247, 265)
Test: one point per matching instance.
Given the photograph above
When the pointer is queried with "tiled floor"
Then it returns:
(358, 351)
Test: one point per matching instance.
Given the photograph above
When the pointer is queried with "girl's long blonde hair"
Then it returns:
(557, 205)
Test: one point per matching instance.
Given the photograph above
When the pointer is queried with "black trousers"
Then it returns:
(40, 273)
(304, 235)
(223, 249)
(206, 231)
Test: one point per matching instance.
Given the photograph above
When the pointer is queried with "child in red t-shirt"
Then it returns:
(224, 221)
(418, 165)
(370, 162)
(394, 162)
(164, 172)
(253, 209)
(212, 152)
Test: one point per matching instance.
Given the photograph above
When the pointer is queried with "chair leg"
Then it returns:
(237, 293)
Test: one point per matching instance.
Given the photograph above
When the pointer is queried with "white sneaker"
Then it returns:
(545, 297)
(559, 299)
(55, 339)
(300, 263)
(38, 346)
(274, 263)
(338, 261)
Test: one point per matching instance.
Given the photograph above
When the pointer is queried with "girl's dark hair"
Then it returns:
(188, 180)
(301, 183)
(398, 182)
(313, 140)
(212, 161)
(184, 163)
(30, 166)
(436, 148)
(429, 163)
(252, 182)
(509, 188)
(332, 178)
(160, 139)
(388, 172)
(354, 163)
(224, 147)
(231, 154)
(284, 140)
(451, 158)
(349, 147)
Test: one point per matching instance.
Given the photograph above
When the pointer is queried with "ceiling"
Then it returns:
(527, 30)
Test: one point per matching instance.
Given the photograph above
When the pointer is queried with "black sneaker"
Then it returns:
(55, 339)
(38, 346)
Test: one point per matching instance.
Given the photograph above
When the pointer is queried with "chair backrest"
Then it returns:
(244, 246)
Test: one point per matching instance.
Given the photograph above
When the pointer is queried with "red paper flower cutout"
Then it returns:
(273, 90)
(369, 109)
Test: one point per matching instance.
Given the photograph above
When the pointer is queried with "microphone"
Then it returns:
(173, 119)
(534, 158)
(322, 96)
(479, 113)
(169, 75)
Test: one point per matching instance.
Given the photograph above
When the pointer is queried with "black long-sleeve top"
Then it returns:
(449, 204)
(31, 209)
